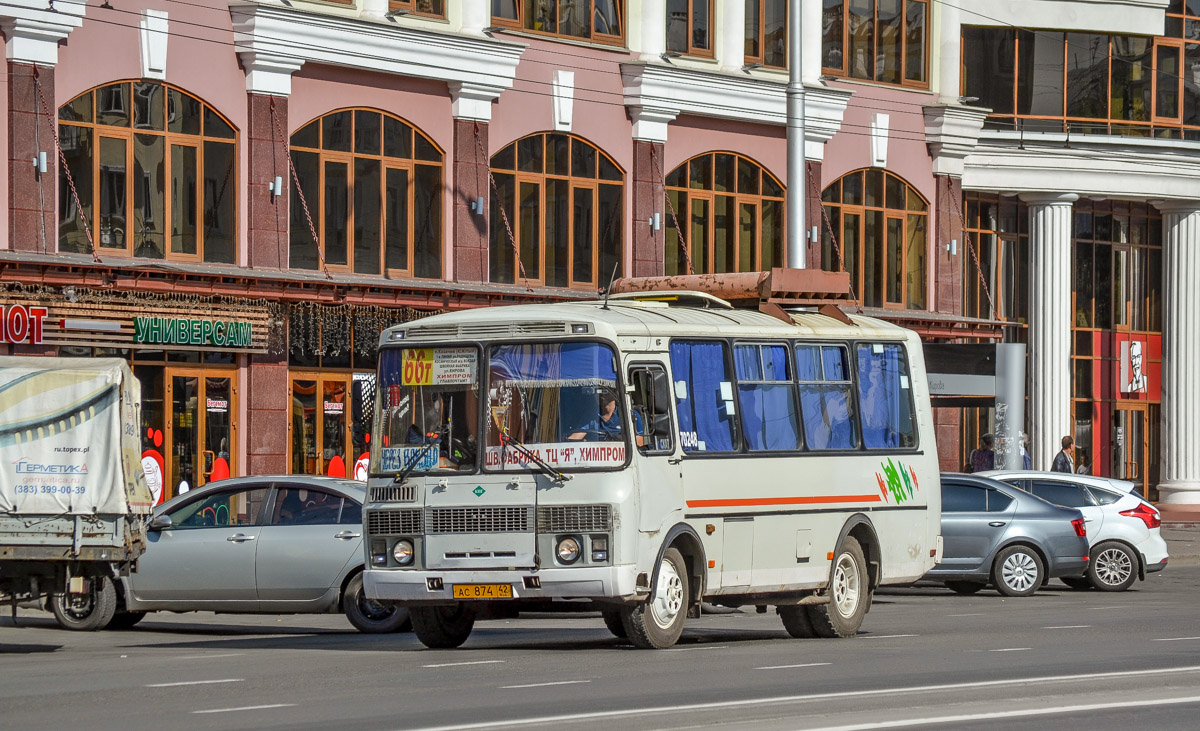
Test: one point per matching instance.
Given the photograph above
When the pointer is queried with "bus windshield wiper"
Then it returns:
(506, 441)
(416, 458)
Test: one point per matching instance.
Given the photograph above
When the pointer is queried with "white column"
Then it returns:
(653, 29)
(1049, 323)
(811, 12)
(1180, 484)
(948, 64)
(730, 34)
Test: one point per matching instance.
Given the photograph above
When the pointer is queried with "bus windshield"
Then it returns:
(558, 400)
(427, 397)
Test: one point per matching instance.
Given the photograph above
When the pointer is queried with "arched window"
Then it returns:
(880, 222)
(155, 170)
(561, 198)
(373, 186)
(731, 213)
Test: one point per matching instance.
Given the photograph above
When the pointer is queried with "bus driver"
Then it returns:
(607, 424)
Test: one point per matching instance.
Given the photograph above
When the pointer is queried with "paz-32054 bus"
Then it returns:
(648, 456)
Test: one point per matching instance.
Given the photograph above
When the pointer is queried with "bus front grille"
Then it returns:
(574, 518)
(394, 522)
(479, 520)
(393, 494)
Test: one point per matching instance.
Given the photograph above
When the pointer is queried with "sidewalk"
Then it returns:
(1183, 543)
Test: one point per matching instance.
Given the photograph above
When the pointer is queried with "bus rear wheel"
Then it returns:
(442, 628)
(658, 623)
(849, 594)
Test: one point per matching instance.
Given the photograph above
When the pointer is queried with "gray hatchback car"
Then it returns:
(272, 545)
(994, 533)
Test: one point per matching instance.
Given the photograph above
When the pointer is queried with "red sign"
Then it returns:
(21, 323)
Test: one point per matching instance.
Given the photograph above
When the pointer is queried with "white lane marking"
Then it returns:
(565, 718)
(785, 667)
(245, 708)
(1069, 626)
(196, 682)
(882, 637)
(1011, 649)
(974, 614)
(1173, 639)
(205, 657)
(543, 685)
(459, 664)
(1003, 714)
(689, 649)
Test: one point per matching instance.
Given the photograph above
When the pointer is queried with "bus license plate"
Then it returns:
(483, 591)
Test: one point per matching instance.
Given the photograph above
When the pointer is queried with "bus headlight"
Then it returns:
(403, 552)
(568, 550)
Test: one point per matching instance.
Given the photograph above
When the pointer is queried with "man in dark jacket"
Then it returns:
(1064, 461)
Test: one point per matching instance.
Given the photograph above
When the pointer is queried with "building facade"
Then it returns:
(237, 197)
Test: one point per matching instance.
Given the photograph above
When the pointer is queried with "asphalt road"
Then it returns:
(926, 659)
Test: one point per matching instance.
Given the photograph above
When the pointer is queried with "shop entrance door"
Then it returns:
(1130, 444)
(201, 432)
(319, 428)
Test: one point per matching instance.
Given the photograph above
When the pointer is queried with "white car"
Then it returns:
(1122, 528)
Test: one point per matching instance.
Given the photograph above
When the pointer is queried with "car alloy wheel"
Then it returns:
(1020, 572)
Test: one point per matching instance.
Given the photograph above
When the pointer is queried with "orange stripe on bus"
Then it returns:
(809, 500)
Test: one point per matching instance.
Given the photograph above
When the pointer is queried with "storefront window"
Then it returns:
(373, 188)
(994, 251)
(154, 174)
(880, 223)
(766, 32)
(1052, 81)
(875, 40)
(600, 21)
(556, 213)
(724, 213)
(689, 27)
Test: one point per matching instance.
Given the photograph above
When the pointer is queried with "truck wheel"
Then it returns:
(89, 611)
(126, 620)
(849, 594)
(657, 624)
(369, 616)
(613, 621)
(442, 628)
(796, 621)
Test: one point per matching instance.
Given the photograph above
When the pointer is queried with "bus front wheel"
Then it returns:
(442, 628)
(658, 623)
(849, 594)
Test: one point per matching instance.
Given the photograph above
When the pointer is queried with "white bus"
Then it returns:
(648, 453)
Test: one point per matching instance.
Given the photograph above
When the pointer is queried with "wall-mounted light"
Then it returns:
(967, 99)
(275, 187)
(477, 205)
(393, 14)
(39, 163)
(668, 55)
(751, 66)
(826, 77)
(952, 247)
(813, 233)
(655, 222)
(494, 29)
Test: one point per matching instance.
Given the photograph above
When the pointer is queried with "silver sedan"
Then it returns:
(271, 545)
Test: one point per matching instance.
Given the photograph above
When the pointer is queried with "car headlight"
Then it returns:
(403, 552)
(568, 550)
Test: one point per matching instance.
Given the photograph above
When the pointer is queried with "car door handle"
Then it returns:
(996, 523)
(239, 538)
(347, 535)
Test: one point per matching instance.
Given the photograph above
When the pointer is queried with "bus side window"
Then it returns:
(651, 410)
(885, 397)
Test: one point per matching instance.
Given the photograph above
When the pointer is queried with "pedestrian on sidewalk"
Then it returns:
(1064, 461)
(983, 458)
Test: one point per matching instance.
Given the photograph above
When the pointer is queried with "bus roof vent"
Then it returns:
(483, 330)
(769, 291)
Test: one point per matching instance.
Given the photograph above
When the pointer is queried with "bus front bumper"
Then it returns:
(584, 582)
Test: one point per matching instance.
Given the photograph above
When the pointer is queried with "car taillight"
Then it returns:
(1146, 513)
(1080, 528)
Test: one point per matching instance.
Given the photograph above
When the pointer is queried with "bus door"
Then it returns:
(657, 464)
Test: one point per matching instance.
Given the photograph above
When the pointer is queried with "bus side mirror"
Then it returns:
(660, 400)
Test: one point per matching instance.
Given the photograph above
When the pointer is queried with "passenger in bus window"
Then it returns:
(830, 425)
